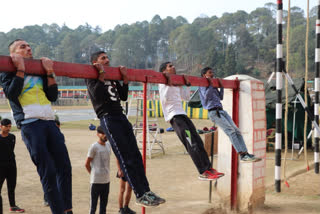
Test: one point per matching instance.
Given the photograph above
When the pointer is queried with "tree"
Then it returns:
(233, 43)
(87, 47)
(42, 50)
(4, 42)
(230, 61)
(246, 51)
(106, 40)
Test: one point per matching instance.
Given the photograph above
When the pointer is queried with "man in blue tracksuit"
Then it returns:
(30, 99)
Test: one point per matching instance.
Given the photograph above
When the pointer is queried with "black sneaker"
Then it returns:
(68, 212)
(147, 201)
(121, 211)
(247, 158)
(16, 209)
(127, 210)
(156, 197)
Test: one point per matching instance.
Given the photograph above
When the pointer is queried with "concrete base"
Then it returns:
(252, 124)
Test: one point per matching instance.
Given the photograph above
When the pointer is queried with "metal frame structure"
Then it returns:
(74, 70)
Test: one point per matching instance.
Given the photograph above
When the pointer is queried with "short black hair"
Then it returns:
(5, 122)
(204, 70)
(95, 55)
(16, 40)
(163, 66)
(11, 43)
(100, 130)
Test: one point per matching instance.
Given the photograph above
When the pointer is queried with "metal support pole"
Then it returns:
(144, 134)
(211, 162)
(234, 157)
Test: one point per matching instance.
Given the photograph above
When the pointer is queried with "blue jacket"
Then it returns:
(106, 96)
(210, 97)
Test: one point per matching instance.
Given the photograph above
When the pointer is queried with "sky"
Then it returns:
(108, 13)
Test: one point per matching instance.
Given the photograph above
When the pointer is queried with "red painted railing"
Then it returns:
(74, 70)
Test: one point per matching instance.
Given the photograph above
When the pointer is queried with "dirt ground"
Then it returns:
(303, 196)
(172, 176)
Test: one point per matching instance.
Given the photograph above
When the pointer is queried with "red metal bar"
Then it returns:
(74, 70)
(234, 158)
(144, 133)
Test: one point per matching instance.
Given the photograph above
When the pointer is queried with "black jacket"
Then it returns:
(106, 96)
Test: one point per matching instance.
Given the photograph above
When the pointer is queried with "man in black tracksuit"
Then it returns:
(105, 96)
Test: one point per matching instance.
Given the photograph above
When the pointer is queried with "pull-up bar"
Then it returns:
(73, 70)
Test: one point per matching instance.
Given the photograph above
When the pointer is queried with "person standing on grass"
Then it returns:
(171, 101)
(211, 100)
(8, 167)
(98, 166)
(105, 96)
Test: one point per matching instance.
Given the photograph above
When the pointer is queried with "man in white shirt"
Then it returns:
(98, 166)
(171, 100)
